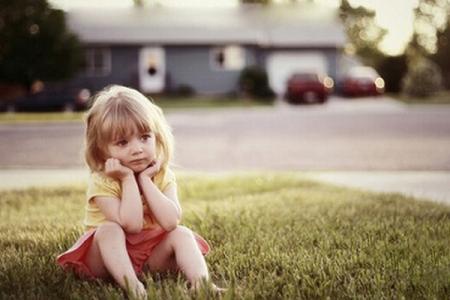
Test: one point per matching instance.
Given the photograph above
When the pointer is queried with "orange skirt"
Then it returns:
(139, 248)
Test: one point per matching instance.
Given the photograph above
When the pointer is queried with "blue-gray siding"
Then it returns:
(192, 66)
(188, 66)
(124, 70)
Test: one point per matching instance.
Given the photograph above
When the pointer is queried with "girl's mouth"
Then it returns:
(137, 161)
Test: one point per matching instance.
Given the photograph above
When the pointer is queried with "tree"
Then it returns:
(253, 82)
(430, 17)
(35, 43)
(442, 57)
(431, 35)
(256, 1)
(138, 3)
(363, 33)
(265, 2)
(393, 69)
(423, 78)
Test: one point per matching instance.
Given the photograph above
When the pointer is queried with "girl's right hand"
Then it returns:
(114, 169)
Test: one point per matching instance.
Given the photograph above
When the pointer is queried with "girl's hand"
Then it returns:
(114, 169)
(151, 170)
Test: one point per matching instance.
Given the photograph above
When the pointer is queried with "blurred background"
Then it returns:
(313, 85)
(60, 52)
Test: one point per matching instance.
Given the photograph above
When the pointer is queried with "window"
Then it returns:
(98, 61)
(152, 66)
(227, 58)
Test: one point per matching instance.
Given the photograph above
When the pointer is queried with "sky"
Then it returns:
(394, 15)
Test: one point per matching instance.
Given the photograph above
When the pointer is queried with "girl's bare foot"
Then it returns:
(217, 290)
(207, 285)
(138, 292)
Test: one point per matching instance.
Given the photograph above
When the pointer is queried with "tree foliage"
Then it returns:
(393, 69)
(423, 78)
(430, 17)
(363, 33)
(256, 1)
(442, 55)
(253, 82)
(35, 43)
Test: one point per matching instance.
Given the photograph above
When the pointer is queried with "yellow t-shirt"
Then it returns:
(102, 185)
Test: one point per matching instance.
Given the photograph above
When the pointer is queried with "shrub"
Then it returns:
(253, 82)
(184, 90)
(393, 69)
(423, 79)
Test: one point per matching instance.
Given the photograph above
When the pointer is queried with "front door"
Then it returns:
(152, 69)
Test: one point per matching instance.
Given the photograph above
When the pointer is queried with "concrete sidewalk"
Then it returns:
(434, 186)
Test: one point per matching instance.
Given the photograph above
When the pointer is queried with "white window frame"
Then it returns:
(91, 66)
(227, 52)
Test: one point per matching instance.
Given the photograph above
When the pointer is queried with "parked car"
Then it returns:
(51, 97)
(308, 87)
(362, 81)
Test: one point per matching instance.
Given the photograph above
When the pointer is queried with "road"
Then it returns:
(352, 135)
(374, 144)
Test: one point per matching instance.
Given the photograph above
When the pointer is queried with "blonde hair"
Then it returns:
(114, 112)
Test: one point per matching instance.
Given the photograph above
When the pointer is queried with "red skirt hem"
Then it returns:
(139, 248)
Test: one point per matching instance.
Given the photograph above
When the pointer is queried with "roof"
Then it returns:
(291, 25)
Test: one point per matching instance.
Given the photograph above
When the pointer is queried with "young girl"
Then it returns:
(132, 212)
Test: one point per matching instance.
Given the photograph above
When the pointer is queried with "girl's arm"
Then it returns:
(165, 206)
(128, 211)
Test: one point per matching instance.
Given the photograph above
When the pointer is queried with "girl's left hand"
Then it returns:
(151, 170)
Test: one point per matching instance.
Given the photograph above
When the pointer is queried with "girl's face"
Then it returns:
(136, 151)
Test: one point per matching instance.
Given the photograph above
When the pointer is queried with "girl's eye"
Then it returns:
(122, 143)
(146, 136)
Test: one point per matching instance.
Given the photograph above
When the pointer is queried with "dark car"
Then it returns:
(52, 97)
(362, 81)
(308, 87)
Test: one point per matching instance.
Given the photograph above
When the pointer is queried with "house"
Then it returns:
(157, 48)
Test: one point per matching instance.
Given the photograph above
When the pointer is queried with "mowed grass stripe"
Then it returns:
(273, 236)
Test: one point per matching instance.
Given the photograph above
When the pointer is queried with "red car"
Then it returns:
(308, 87)
(362, 81)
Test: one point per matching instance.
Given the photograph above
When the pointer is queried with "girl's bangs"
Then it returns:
(124, 123)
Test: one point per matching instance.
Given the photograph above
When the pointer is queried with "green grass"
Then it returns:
(440, 98)
(40, 117)
(272, 236)
(167, 104)
(173, 103)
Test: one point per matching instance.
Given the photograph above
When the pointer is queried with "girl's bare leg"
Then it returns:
(180, 250)
(108, 255)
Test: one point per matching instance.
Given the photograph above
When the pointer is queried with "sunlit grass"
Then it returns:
(272, 237)
(20, 117)
(167, 104)
(174, 103)
(439, 98)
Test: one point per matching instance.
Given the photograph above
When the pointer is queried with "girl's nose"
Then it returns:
(137, 148)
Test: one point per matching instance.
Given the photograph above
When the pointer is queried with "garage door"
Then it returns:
(280, 65)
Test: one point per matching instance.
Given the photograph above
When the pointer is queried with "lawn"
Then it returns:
(173, 103)
(442, 97)
(275, 236)
(167, 104)
(21, 117)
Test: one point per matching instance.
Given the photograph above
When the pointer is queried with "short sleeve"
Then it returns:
(101, 185)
